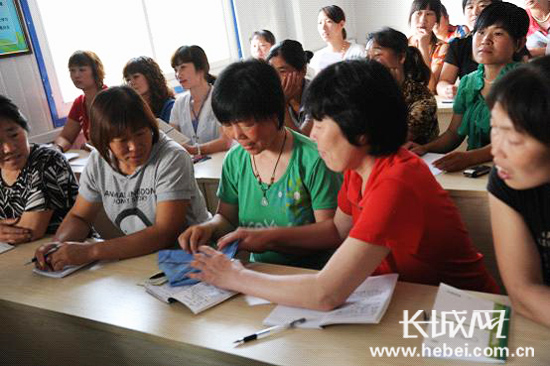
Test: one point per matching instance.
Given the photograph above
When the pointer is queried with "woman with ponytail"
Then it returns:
(290, 61)
(192, 113)
(391, 49)
(330, 25)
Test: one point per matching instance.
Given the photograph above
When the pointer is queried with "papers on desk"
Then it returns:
(366, 305)
(60, 274)
(429, 158)
(483, 323)
(71, 156)
(197, 297)
(4, 247)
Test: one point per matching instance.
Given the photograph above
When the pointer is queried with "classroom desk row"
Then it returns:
(101, 316)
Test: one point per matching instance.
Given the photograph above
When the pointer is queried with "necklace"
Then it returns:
(264, 201)
(541, 20)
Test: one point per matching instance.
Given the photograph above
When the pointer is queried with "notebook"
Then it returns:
(366, 305)
(60, 274)
(4, 247)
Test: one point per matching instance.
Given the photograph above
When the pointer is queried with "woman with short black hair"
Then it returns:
(37, 185)
(273, 178)
(392, 216)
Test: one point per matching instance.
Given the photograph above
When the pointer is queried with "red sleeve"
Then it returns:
(392, 216)
(343, 202)
(77, 109)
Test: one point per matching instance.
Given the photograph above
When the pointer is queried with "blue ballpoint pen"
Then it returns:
(271, 330)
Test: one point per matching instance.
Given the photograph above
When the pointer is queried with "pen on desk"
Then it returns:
(51, 251)
(271, 330)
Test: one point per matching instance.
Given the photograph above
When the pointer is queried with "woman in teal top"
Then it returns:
(499, 33)
(273, 178)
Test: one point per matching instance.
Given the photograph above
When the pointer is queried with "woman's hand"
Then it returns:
(292, 85)
(195, 236)
(68, 253)
(453, 161)
(216, 268)
(415, 148)
(449, 91)
(12, 234)
(252, 240)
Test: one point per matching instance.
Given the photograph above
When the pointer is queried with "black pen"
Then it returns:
(271, 330)
(51, 251)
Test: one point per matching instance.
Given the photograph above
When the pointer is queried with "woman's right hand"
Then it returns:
(450, 91)
(12, 234)
(415, 148)
(195, 236)
(291, 85)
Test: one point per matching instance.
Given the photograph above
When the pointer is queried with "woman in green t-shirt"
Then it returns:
(499, 33)
(273, 178)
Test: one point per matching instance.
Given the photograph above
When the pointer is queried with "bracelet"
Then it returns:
(199, 149)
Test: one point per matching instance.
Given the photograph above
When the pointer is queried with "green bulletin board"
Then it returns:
(13, 35)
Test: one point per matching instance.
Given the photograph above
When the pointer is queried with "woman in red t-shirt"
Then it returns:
(392, 216)
(87, 74)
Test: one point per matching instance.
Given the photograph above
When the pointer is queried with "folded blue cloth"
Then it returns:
(175, 264)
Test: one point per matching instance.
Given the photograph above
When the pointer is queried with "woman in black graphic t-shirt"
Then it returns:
(519, 186)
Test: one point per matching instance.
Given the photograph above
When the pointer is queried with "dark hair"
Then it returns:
(248, 89)
(9, 111)
(444, 12)
(363, 98)
(158, 87)
(508, 16)
(292, 52)
(265, 34)
(336, 14)
(433, 5)
(89, 58)
(414, 65)
(195, 55)
(465, 2)
(524, 93)
(113, 112)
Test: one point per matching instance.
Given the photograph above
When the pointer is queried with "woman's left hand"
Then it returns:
(216, 268)
(454, 161)
(68, 253)
(291, 83)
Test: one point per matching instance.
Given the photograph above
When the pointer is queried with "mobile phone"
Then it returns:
(476, 171)
(199, 158)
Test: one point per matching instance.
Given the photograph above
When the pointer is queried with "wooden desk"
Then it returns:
(100, 316)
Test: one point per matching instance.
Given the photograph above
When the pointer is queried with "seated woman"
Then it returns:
(538, 37)
(290, 60)
(192, 114)
(273, 178)
(390, 48)
(145, 76)
(143, 180)
(423, 16)
(447, 32)
(498, 35)
(260, 44)
(519, 186)
(87, 74)
(37, 185)
(459, 60)
(392, 217)
(330, 25)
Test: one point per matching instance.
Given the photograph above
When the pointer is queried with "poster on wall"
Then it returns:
(13, 35)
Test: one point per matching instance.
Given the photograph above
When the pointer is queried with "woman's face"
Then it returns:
(522, 161)
(537, 4)
(139, 83)
(334, 148)
(328, 29)
(259, 47)
(386, 56)
(132, 148)
(423, 21)
(284, 69)
(82, 77)
(188, 76)
(253, 136)
(493, 46)
(472, 10)
(14, 146)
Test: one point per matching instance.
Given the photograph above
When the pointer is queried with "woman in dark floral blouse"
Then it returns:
(390, 48)
(37, 185)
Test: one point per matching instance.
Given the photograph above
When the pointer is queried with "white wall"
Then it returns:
(295, 19)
